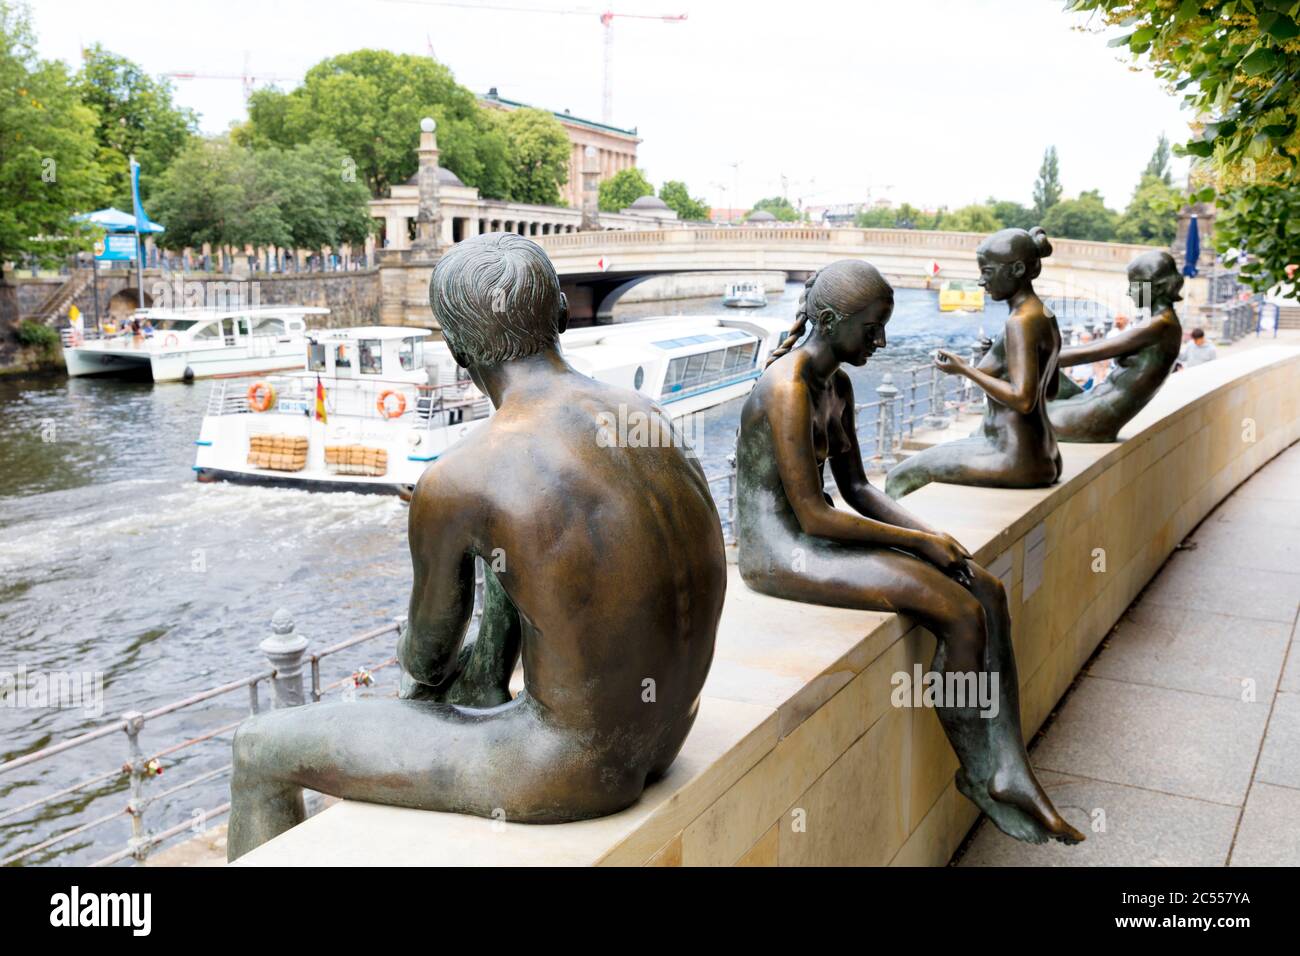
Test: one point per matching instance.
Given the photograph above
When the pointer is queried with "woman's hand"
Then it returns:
(950, 363)
(946, 553)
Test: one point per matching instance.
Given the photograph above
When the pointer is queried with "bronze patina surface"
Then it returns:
(606, 571)
(795, 544)
(1144, 356)
(1014, 447)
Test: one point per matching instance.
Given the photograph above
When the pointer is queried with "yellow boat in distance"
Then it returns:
(961, 295)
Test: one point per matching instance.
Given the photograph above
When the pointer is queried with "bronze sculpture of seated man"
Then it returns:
(1014, 447)
(1144, 356)
(795, 544)
(606, 571)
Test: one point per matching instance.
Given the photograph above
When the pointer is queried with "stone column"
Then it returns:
(590, 187)
(428, 225)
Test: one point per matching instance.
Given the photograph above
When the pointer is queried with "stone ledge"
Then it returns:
(795, 726)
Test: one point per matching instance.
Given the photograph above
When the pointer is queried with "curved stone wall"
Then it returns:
(798, 756)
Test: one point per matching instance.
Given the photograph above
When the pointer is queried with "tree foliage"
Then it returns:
(622, 189)
(1083, 218)
(221, 193)
(679, 199)
(1152, 213)
(48, 167)
(370, 102)
(135, 116)
(1237, 65)
(778, 206)
(1047, 187)
(539, 155)
(974, 218)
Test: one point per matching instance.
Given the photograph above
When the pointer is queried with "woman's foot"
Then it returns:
(1005, 816)
(1017, 787)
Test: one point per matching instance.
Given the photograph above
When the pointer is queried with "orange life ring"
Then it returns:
(382, 404)
(261, 396)
(171, 339)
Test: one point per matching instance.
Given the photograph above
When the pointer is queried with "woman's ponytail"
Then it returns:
(800, 324)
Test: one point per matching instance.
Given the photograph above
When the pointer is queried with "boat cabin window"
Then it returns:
(315, 357)
(342, 357)
(369, 351)
(170, 325)
(740, 357)
(689, 372)
(410, 354)
(268, 325)
(211, 330)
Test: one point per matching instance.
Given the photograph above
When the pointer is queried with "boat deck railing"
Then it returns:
(434, 406)
(286, 653)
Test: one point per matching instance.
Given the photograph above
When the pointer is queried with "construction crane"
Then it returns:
(246, 77)
(606, 21)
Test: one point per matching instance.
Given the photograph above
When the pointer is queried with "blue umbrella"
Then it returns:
(1193, 252)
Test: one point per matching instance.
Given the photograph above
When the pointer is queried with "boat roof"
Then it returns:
(371, 332)
(216, 313)
(673, 328)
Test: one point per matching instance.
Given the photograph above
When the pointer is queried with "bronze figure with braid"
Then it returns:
(1015, 446)
(795, 544)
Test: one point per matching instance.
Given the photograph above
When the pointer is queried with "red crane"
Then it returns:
(606, 21)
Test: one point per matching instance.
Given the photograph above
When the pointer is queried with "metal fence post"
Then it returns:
(133, 723)
(286, 652)
(888, 393)
(938, 417)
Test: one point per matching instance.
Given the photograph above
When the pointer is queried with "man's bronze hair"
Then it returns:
(497, 298)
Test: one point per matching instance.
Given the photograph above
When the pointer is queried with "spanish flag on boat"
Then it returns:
(320, 400)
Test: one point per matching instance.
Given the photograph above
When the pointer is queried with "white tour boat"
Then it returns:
(745, 294)
(182, 344)
(393, 401)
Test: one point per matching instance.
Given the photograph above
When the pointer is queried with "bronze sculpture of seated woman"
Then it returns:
(1144, 356)
(794, 544)
(1015, 447)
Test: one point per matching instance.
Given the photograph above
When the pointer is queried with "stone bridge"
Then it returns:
(595, 267)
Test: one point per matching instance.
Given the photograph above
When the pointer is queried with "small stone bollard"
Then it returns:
(938, 417)
(286, 652)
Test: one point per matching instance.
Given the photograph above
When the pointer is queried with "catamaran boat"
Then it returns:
(183, 344)
(746, 294)
(375, 405)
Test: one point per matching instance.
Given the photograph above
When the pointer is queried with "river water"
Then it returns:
(117, 565)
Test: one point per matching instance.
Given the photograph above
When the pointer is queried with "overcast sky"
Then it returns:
(927, 101)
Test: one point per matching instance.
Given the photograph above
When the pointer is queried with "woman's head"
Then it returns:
(847, 304)
(1010, 259)
(1154, 277)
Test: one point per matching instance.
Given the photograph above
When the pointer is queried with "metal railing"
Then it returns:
(286, 653)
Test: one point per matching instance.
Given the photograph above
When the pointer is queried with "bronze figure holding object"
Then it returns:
(795, 544)
(1015, 447)
(606, 572)
(1144, 356)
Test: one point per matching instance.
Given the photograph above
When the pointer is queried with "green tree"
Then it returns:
(622, 189)
(1237, 63)
(973, 218)
(135, 116)
(1158, 164)
(1152, 213)
(1012, 215)
(778, 206)
(202, 196)
(878, 217)
(539, 155)
(221, 193)
(370, 102)
(1047, 187)
(48, 168)
(679, 199)
(1084, 218)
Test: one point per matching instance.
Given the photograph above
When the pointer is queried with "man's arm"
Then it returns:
(442, 593)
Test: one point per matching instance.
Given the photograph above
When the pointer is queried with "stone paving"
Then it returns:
(1180, 743)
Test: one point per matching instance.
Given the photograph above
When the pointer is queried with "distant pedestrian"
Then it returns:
(1197, 351)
